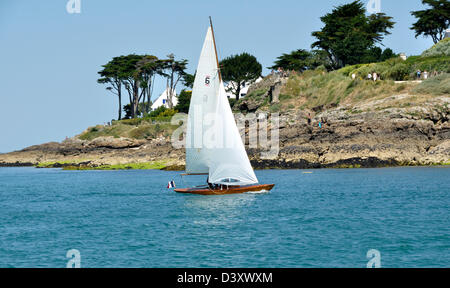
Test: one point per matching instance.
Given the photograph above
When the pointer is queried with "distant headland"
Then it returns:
(338, 108)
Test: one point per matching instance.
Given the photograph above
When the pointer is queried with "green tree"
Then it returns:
(112, 76)
(387, 54)
(173, 71)
(301, 60)
(348, 33)
(372, 55)
(376, 54)
(239, 69)
(147, 69)
(137, 74)
(131, 79)
(319, 58)
(128, 111)
(188, 80)
(184, 100)
(297, 60)
(434, 21)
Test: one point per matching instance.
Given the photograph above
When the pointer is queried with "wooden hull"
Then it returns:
(230, 190)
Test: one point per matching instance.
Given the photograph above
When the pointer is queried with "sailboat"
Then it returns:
(214, 145)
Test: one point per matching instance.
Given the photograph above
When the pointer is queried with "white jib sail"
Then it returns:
(213, 142)
(229, 161)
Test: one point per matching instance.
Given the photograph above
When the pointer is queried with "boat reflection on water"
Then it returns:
(225, 210)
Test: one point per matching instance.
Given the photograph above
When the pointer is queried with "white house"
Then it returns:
(244, 88)
(162, 100)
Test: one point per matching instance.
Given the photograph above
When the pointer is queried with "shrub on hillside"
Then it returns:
(397, 69)
(439, 85)
(439, 64)
(157, 111)
(142, 132)
(162, 114)
(167, 113)
(440, 49)
(184, 100)
(132, 122)
(232, 102)
(398, 72)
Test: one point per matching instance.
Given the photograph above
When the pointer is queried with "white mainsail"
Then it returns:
(213, 142)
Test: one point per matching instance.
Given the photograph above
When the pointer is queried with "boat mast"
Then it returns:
(215, 49)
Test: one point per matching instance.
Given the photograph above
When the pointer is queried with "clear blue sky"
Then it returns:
(49, 58)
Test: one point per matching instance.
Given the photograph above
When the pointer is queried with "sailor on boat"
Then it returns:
(210, 185)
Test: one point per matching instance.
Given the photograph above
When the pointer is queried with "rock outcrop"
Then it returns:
(370, 134)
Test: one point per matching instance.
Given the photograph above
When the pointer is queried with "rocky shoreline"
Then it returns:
(367, 135)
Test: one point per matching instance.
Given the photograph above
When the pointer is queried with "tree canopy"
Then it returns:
(188, 79)
(301, 60)
(112, 76)
(434, 21)
(348, 33)
(173, 71)
(239, 69)
(376, 54)
(184, 100)
(136, 74)
(132, 78)
(147, 68)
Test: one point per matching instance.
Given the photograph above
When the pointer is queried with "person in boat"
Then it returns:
(210, 186)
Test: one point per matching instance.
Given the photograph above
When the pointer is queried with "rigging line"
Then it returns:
(182, 179)
(215, 48)
(219, 70)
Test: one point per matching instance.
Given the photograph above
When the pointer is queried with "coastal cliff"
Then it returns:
(394, 129)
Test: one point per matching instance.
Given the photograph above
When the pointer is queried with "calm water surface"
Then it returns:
(329, 218)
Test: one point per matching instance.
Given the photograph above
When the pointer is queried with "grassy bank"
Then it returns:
(60, 164)
(439, 85)
(75, 165)
(161, 165)
(132, 128)
(398, 69)
(315, 89)
(157, 165)
(319, 90)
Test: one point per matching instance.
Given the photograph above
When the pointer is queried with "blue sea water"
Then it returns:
(327, 218)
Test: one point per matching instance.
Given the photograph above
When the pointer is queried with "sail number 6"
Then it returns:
(207, 80)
